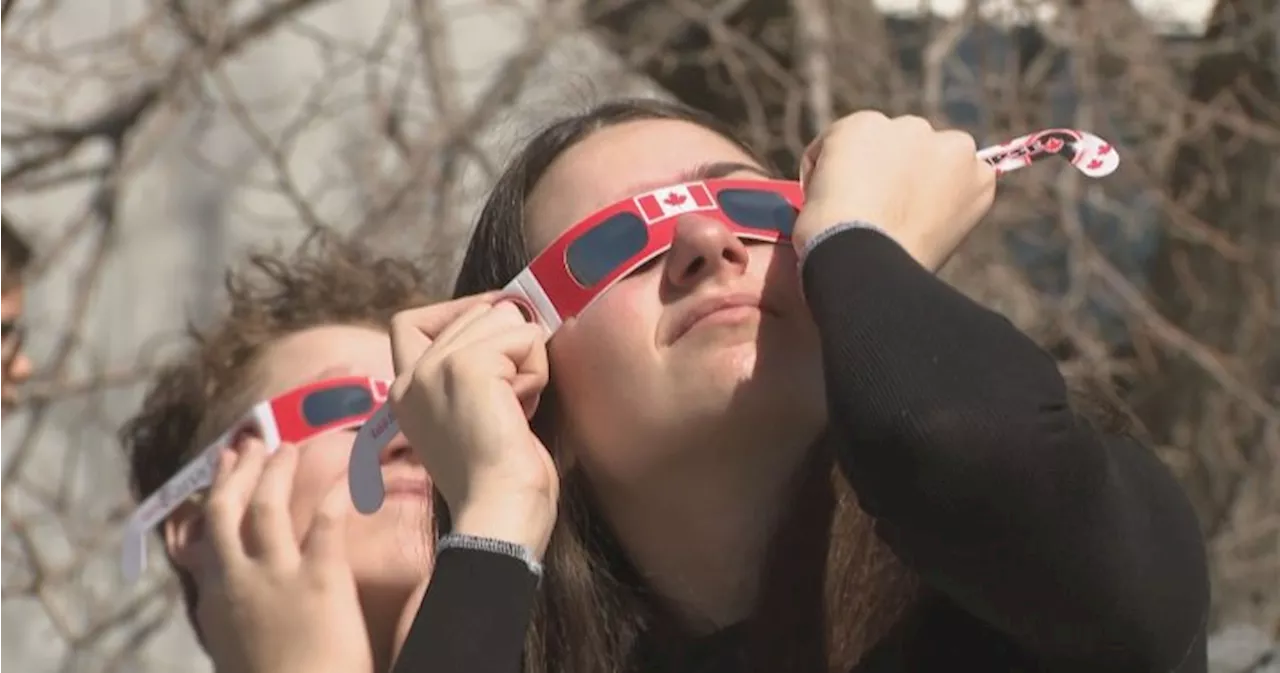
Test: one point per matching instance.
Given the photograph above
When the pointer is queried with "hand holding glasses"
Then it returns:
(589, 257)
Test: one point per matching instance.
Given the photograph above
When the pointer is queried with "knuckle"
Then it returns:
(400, 406)
(260, 506)
(530, 330)
(279, 573)
(321, 574)
(859, 119)
(220, 505)
(401, 319)
(428, 378)
(400, 388)
(324, 518)
(512, 311)
(422, 372)
(508, 312)
(398, 323)
(454, 371)
(915, 123)
(960, 142)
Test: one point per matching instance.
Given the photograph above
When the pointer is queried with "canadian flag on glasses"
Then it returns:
(670, 201)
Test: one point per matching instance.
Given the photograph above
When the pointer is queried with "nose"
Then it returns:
(704, 248)
(398, 450)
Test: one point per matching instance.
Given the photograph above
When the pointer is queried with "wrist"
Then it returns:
(522, 520)
(491, 546)
(805, 244)
(817, 223)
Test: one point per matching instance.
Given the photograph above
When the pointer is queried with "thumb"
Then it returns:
(809, 160)
(326, 537)
(412, 331)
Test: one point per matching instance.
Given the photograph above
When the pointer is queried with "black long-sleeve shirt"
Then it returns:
(1052, 547)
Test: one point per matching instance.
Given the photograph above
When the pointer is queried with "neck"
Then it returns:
(699, 535)
(389, 612)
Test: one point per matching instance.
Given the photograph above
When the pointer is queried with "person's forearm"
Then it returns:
(474, 615)
(956, 431)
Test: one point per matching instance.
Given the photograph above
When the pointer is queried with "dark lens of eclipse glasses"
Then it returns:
(758, 209)
(615, 241)
(323, 407)
(605, 247)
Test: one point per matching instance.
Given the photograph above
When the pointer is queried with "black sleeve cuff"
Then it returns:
(474, 615)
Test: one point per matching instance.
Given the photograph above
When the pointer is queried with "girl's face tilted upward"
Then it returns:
(391, 547)
(705, 353)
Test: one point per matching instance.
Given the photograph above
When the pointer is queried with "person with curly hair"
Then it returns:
(275, 575)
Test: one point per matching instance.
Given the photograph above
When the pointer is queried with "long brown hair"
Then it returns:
(830, 590)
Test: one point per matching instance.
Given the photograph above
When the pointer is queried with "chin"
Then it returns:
(756, 403)
(727, 369)
(774, 402)
(390, 553)
(390, 573)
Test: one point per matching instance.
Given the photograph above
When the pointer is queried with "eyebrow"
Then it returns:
(333, 372)
(720, 169)
(706, 171)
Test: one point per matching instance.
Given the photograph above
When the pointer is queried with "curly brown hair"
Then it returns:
(328, 280)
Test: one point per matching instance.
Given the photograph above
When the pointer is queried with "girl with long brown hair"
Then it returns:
(803, 453)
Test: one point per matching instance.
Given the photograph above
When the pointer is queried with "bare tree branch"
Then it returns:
(136, 150)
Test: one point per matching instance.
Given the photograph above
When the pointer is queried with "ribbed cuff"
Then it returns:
(475, 543)
(811, 244)
(832, 231)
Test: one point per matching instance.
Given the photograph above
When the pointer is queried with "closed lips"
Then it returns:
(712, 305)
(408, 486)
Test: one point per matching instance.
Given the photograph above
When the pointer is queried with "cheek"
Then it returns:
(605, 357)
(777, 265)
(611, 336)
(321, 464)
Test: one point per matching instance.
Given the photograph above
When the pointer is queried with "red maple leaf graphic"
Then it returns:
(675, 199)
(1095, 164)
(1053, 145)
(1104, 149)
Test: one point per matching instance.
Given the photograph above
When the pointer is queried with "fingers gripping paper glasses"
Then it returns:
(584, 262)
(293, 417)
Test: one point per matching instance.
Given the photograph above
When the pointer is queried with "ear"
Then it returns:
(184, 535)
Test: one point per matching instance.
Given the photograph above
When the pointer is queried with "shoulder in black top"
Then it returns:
(1053, 547)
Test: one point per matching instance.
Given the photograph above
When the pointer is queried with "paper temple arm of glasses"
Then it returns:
(190, 480)
(527, 288)
(1091, 155)
(364, 471)
(133, 554)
